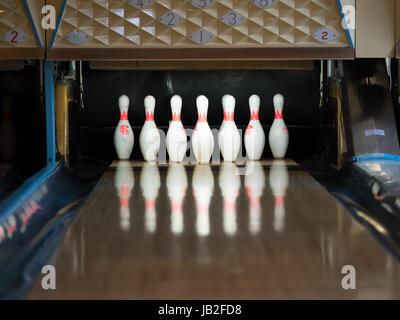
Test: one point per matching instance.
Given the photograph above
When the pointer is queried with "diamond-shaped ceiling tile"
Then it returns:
(89, 12)
(102, 3)
(72, 4)
(195, 17)
(289, 3)
(119, 30)
(105, 39)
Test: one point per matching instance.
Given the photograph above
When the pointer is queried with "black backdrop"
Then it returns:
(27, 116)
(102, 89)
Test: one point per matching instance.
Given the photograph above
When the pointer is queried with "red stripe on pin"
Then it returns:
(202, 117)
(278, 115)
(228, 116)
(124, 116)
(149, 116)
(254, 115)
(176, 116)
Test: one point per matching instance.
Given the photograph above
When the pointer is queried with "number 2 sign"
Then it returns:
(14, 36)
(325, 35)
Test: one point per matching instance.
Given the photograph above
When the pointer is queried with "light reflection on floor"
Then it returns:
(266, 230)
(203, 186)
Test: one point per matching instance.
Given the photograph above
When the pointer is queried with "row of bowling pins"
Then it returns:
(202, 139)
(203, 189)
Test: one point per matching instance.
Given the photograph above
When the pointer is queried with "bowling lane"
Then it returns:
(265, 231)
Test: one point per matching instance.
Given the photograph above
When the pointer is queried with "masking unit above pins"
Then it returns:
(178, 28)
(21, 35)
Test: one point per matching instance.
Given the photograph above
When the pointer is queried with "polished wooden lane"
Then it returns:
(217, 232)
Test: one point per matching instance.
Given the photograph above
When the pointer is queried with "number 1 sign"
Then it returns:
(14, 36)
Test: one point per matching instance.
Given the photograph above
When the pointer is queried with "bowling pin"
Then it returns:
(278, 135)
(8, 137)
(176, 185)
(203, 188)
(228, 136)
(2, 234)
(202, 139)
(123, 135)
(176, 135)
(254, 137)
(279, 180)
(255, 183)
(229, 183)
(124, 182)
(150, 183)
(149, 139)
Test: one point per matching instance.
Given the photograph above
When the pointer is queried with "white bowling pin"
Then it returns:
(203, 188)
(279, 180)
(228, 136)
(8, 137)
(2, 234)
(202, 138)
(124, 182)
(176, 185)
(123, 135)
(176, 135)
(150, 183)
(278, 135)
(255, 183)
(149, 139)
(254, 138)
(229, 183)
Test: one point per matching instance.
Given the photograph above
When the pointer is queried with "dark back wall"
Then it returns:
(103, 88)
(27, 116)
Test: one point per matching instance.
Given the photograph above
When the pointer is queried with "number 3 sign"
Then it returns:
(14, 36)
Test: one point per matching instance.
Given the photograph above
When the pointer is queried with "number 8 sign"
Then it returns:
(14, 36)
(264, 4)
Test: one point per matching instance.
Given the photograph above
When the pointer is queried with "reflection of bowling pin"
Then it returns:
(203, 187)
(150, 184)
(123, 135)
(176, 185)
(376, 192)
(176, 135)
(254, 138)
(202, 138)
(229, 183)
(8, 138)
(279, 180)
(124, 182)
(228, 136)
(255, 183)
(2, 234)
(149, 139)
(278, 135)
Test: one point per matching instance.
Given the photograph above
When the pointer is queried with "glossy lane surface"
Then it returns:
(217, 232)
